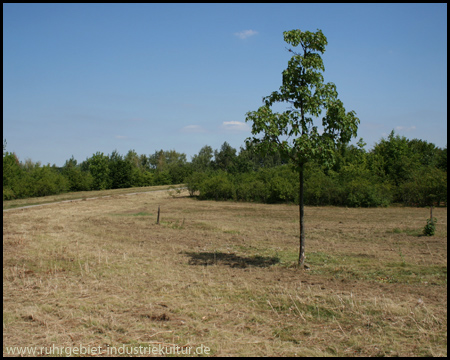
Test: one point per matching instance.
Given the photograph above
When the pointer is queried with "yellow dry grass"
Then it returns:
(102, 273)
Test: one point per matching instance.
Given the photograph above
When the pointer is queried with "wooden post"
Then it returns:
(157, 220)
(431, 213)
(301, 251)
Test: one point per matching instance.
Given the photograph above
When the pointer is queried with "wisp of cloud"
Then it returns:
(245, 34)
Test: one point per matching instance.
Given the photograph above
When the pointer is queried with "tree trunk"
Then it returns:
(301, 254)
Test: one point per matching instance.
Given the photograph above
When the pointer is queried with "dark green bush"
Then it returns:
(252, 190)
(194, 181)
(362, 192)
(8, 194)
(430, 227)
(141, 178)
(217, 187)
(281, 189)
(162, 178)
(425, 187)
(320, 189)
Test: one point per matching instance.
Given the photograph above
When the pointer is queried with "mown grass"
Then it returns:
(223, 275)
(84, 195)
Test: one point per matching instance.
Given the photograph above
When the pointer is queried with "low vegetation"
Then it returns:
(396, 170)
(222, 274)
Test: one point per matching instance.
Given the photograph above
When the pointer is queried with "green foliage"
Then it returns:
(425, 187)
(225, 158)
(162, 178)
(320, 188)
(293, 132)
(415, 168)
(47, 181)
(140, 177)
(218, 187)
(442, 159)
(99, 169)
(78, 180)
(358, 178)
(203, 160)
(361, 192)
(252, 189)
(179, 172)
(120, 171)
(30, 180)
(282, 185)
(11, 174)
(170, 167)
(194, 181)
(8, 193)
(252, 186)
(430, 227)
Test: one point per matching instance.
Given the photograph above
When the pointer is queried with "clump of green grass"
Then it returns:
(410, 232)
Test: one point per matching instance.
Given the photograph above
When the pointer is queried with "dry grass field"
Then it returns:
(101, 273)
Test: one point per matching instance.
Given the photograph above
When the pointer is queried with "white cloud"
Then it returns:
(235, 126)
(193, 129)
(405, 128)
(245, 34)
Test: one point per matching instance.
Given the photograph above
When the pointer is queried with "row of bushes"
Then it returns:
(395, 170)
(40, 181)
(25, 180)
(281, 184)
(46, 180)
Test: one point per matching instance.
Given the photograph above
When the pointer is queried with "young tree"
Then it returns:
(78, 180)
(224, 159)
(203, 160)
(98, 167)
(293, 132)
(120, 171)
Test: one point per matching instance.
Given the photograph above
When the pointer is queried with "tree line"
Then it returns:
(395, 170)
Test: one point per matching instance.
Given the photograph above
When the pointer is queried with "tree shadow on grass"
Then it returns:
(231, 260)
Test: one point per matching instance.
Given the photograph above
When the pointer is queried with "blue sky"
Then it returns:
(82, 78)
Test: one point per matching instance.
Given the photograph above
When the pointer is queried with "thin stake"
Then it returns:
(157, 220)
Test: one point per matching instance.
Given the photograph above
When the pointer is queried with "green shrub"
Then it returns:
(365, 193)
(162, 178)
(47, 181)
(141, 177)
(425, 187)
(99, 169)
(430, 227)
(281, 189)
(321, 189)
(252, 190)
(78, 180)
(194, 182)
(217, 187)
(8, 193)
